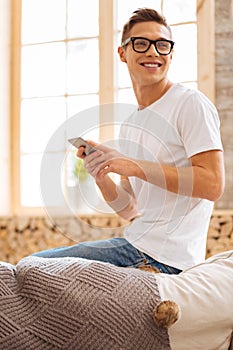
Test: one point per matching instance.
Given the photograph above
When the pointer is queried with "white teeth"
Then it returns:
(151, 65)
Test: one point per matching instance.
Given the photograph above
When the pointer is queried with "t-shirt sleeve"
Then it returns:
(199, 125)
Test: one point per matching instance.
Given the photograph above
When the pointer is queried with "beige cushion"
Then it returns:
(205, 295)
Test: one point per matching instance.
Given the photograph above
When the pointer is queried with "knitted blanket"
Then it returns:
(72, 303)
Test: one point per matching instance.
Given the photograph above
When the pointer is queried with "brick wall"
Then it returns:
(224, 89)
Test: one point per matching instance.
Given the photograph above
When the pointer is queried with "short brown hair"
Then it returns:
(144, 15)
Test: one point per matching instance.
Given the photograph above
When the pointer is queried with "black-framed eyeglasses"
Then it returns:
(141, 45)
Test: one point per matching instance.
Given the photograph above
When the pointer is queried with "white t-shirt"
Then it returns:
(172, 228)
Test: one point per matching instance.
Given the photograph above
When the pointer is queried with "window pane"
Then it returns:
(78, 187)
(123, 77)
(43, 20)
(51, 180)
(177, 11)
(43, 70)
(83, 66)
(85, 124)
(126, 96)
(79, 103)
(126, 8)
(191, 85)
(30, 180)
(81, 193)
(40, 118)
(83, 18)
(183, 69)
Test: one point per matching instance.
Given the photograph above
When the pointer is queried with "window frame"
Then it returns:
(206, 78)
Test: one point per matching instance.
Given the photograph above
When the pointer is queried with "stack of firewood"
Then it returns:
(220, 234)
(20, 237)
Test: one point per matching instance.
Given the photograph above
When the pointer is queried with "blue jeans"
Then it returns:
(116, 251)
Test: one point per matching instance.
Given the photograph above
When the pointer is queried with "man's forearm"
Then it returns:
(194, 181)
(121, 201)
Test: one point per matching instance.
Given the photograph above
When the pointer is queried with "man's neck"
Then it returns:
(146, 95)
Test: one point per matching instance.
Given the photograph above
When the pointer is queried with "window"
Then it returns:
(65, 61)
(59, 77)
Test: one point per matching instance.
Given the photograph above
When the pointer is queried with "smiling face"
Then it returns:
(148, 68)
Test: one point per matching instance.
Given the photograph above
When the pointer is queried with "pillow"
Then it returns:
(72, 303)
(205, 296)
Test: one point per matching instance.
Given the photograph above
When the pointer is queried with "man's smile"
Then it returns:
(151, 64)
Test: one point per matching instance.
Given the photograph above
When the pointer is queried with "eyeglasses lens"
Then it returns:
(142, 45)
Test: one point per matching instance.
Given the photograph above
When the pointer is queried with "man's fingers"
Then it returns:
(93, 158)
(100, 147)
(81, 152)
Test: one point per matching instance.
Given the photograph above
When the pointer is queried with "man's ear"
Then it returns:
(121, 52)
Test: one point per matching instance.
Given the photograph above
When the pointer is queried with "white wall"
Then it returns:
(4, 107)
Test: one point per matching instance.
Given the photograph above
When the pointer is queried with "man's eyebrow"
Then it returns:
(145, 37)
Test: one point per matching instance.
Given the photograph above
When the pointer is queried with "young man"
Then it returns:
(171, 161)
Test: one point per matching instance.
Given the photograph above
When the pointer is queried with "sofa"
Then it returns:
(73, 303)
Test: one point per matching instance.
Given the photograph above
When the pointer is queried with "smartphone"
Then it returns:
(78, 142)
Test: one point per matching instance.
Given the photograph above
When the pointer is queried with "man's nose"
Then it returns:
(152, 50)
